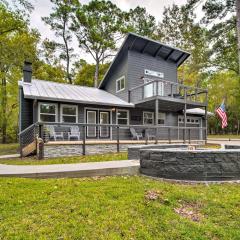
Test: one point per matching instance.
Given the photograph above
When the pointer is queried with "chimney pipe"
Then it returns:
(27, 72)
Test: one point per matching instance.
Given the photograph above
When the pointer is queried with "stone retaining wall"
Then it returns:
(200, 165)
(62, 150)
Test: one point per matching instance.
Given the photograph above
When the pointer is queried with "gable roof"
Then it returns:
(149, 46)
(52, 91)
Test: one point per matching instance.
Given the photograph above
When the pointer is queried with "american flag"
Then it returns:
(221, 112)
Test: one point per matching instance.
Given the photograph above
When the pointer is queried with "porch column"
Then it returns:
(206, 122)
(156, 119)
(185, 115)
(156, 112)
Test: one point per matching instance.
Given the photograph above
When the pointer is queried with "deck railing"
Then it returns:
(167, 89)
(118, 134)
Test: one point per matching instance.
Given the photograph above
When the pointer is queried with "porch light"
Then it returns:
(113, 109)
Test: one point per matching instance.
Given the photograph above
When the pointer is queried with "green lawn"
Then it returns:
(227, 136)
(117, 208)
(76, 159)
(9, 148)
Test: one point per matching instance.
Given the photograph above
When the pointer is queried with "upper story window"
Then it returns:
(148, 118)
(153, 73)
(120, 84)
(123, 117)
(69, 113)
(47, 112)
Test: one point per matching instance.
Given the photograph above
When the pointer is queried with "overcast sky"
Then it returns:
(43, 8)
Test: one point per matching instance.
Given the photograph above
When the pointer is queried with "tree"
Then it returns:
(223, 13)
(180, 29)
(60, 21)
(15, 47)
(97, 26)
(85, 75)
(137, 20)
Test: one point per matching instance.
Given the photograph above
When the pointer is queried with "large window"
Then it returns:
(120, 84)
(161, 118)
(148, 118)
(47, 112)
(69, 113)
(122, 117)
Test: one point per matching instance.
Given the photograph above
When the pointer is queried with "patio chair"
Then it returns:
(74, 133)
(149, 134)
(135, 135)
(53, 134)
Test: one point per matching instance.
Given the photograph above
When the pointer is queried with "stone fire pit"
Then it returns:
(180, 163)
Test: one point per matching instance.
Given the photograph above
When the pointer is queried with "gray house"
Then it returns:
(139, 92)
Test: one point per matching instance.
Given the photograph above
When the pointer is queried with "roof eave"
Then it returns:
(130, 105)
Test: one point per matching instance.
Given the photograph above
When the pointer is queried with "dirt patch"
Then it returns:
(190, 211)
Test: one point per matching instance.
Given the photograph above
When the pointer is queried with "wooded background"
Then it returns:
(99, 27)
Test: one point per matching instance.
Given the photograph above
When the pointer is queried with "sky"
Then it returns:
(42, 8)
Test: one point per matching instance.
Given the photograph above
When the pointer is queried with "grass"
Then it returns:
(63, 160)
(9, 148)
(116, 208)
(226, 136)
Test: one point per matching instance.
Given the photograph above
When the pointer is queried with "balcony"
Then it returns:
(168, 91)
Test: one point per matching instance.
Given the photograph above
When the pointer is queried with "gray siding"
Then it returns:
(118, 72)
(137, 62)
(26, 111)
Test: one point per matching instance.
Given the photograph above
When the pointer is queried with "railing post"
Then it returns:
(169, 135)
(129, 96)
(189, 135)
(146, 137)
(156, 139)
(118, 147)
(172, 90)
(84, 141)
(21, 146)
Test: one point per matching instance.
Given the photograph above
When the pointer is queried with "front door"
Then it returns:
(91, 119)
(98, 117)
(104, 118)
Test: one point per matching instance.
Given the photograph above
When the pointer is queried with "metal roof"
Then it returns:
(53, 91)
(149, 46)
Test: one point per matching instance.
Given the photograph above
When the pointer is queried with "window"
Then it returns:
(122, 117)
(153, 73)
(69, 113)
(189, 120)
(148, 117)
(47, 112)
(161, 118)
(120, 84)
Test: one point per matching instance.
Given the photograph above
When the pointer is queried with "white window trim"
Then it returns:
(162, 118)
(119, 80)
(56, 112)
(189, 117)
(123, 110)
(95, 130)
(68, 105)
(152, 113)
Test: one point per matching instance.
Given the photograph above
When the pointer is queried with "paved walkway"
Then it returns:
(10, 156)
(109, 168)
(225, 141)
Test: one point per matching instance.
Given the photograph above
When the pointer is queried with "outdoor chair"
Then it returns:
(74, 133)
(135, 135)
(149, 134)
(53, 134)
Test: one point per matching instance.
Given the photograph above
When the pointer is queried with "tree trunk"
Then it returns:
(4, 110)
(238, 31)
(96, 74)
